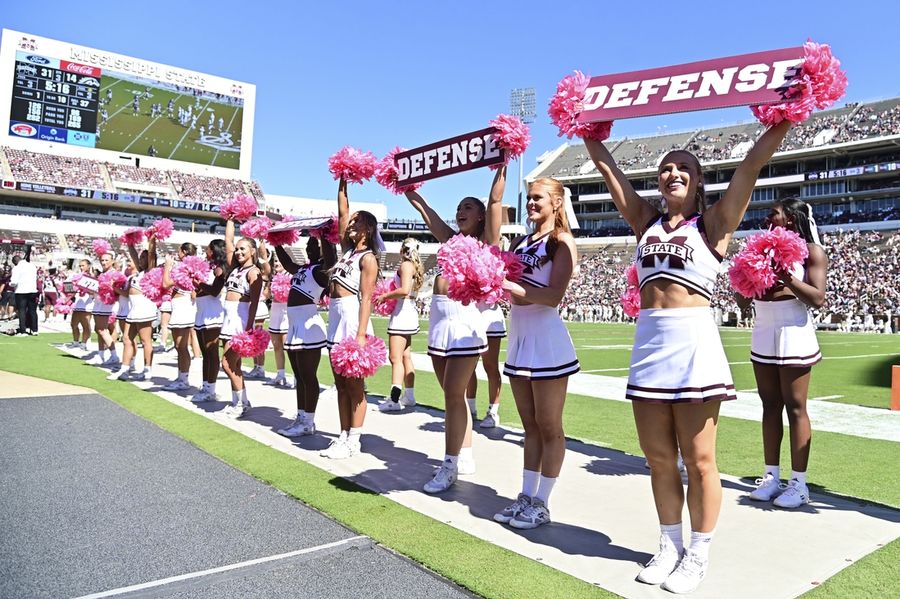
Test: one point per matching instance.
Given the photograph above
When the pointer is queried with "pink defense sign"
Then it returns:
(455, 155)
(745, 80)
(307, 222)
(86, 283)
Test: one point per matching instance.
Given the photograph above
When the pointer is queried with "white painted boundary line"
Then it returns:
(201, 573)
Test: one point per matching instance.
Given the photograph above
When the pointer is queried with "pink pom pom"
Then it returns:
(325, 301)
(191, 271)
(820, 83)
(751, 274)
(513, 136)
(132, 236)
(631, 302)
(62, 306)
(329, 231)
(354, 362)
(289, 237)
(152, 286)
(249, 344)
(783, 247)
(281, 287)
(385, 308)
(239, 208)
(257, 228)
(631, 275)
(111, 319)
(353, 165)
(566, 105)
(514, 267)
(100, 247)
(161, 229)
(386, 174)
(108, 283)
(474, 271)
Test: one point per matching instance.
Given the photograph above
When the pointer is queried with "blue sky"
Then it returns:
(379, 74)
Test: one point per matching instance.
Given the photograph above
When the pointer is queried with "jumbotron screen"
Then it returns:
(66, 94)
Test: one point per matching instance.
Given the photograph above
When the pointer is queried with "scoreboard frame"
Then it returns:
(74, 65)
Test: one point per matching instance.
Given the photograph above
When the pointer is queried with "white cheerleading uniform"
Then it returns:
(140, 308)
(539, 345)
(184, 312)
(678, 355)
(101, 309)
(306, 329)
(494, 321)
(166, 306)
(262, 310)
(210, 314)
(404, 319)
(82, 302)
(343, 312)
(783, 332)
(278, 318)
(455, 330)
(236, 311)
(121, 307)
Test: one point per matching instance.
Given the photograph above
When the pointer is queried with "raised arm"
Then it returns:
(441, 230)
(167, 281)
(724, 217)
(151, 252)
(634, 209)
(560, 274)
(286, 261)
(229, 242)
(343, 209)
(493, 216)
(133, 253)
(262, 257)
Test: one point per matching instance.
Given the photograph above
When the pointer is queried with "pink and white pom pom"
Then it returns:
(474, 271)
(386, 174)
(256, 228)
(631, 275)
(631, 298)
(132, 236)
(152, 286)
(111, 319)
(820, 83)
(513, 136)
(249, 344)
(751, 274)
(385, 308)
(62, 306)
(161, 229)
(330, 232)
(289, 237)
(191, 271)
(784, 247)
(239, 208)
(100, 247)
(514, 267)
(353, 165)
(107, 285)
(325, 302)
(568, 103)
(281, 287)
(354, 362)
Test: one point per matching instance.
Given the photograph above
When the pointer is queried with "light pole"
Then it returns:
(521, 104)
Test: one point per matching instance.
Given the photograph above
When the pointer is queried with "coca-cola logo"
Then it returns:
(81, 69)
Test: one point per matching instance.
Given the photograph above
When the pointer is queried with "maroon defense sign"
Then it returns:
(461, 153)
(748, 79)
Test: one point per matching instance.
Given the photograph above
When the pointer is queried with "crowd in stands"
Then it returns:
(131, 174)
(707, 147)
(866, 123)
(54, 170)
(205, 189)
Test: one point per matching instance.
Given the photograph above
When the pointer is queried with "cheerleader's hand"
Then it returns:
(361, 339)
(169, 261)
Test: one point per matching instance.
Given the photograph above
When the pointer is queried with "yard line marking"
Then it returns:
(824, 397)
(186, 132)
(253, 562)
(234, 114)
(141, 134)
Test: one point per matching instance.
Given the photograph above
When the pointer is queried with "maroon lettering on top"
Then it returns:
(81, 69)
(454, 155)
(656, 251)
(744, 80)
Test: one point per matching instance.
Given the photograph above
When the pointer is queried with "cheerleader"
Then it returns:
(210, 317)
(107, 355)
(456, 333)
(351, 284)
(278, 327)
(182, 317)
(306, 334)
(165, 317)
(264, 259)
(82, 305)
(50, 293)
(495, 329)
(783, 351)
(679, 373)
(403, 324)
(141, 314)
(242, 292)
(540, 355)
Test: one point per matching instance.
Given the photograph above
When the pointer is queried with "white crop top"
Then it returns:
(304, 282)
(533, 256)
(346, 272)
(237, 281)
(682, 255)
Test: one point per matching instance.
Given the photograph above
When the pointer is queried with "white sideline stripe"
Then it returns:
(824, 397)
(252, 562)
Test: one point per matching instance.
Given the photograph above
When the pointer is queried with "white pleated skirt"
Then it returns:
(140, 309)
(210, 313)
(343, 319)
(306, 329)
(404, 319)
(494, 321)
(539, 345)
(278, 318)
(184, 312)
(784, 335)
(455, 330)
(236, 315)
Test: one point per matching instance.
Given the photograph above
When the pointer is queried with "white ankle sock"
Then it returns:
(183, 377)
(453, 459)
(530, 481)
(280, 374)
(673, 534)
(775, 470)
(409, 393)
(544, 489)
(235, 397)
(494, 409)
(700, 542)
(309, 417)
(466, 454)
(799, 476)
(244, 399)
(353, 435)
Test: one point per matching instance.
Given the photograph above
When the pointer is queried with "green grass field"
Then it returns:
(127, 132)
(841, 464)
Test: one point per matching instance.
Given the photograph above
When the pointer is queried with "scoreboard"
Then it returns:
(54, 100)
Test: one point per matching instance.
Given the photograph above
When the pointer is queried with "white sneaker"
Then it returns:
(119, 375)
(389, 406)
(140, 376)
(794, 495)
(95, 361)
(766, 489)
(159, 349)
(407, 402)
(443, 479)
(176, 385)
(660, 565)
(257, 372)
(238, 410)
(513, 510)
(298, 428)
(201, 397)
(688, 575)
(532, 516)
(465, 467)
(112, 362)
(340, 449)
(490, 421)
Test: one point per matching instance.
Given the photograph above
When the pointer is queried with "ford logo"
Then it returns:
(37, 59)
(23, 130)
